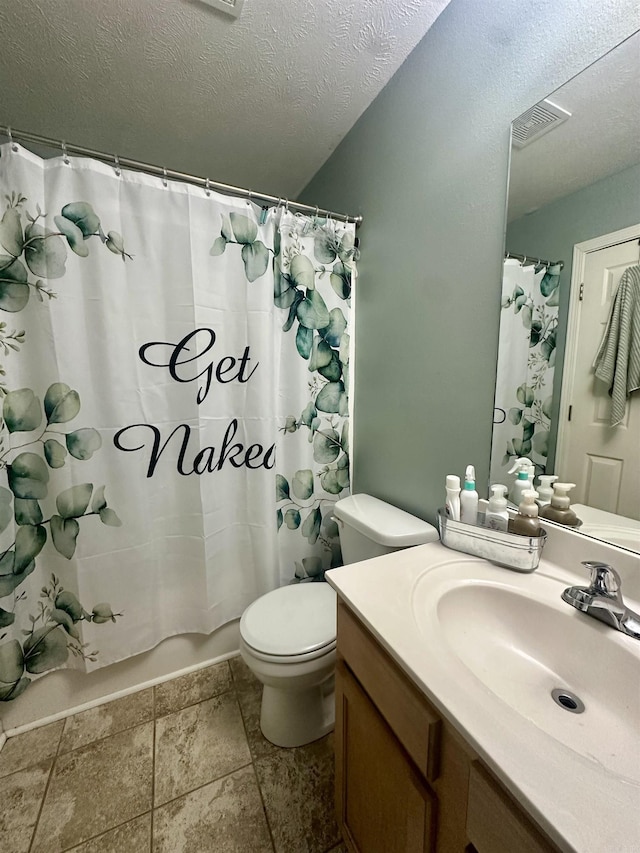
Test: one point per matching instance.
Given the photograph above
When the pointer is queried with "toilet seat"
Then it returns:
(291, 624)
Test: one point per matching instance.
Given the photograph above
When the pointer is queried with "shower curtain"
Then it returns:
(174, 382)
(526, 359)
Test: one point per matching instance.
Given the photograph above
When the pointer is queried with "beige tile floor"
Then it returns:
(178, 768)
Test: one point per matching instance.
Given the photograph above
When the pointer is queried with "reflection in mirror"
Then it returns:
(571, 292)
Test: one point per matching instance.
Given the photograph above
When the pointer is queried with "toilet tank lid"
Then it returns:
(385, 524)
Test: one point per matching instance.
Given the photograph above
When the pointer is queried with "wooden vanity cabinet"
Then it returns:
(406, 782)
(384, 804)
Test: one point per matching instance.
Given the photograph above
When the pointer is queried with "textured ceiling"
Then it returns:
(602, 136)
(260, 101)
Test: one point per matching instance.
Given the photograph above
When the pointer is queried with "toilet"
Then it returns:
(288, 636)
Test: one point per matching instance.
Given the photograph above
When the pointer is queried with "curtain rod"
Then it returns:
(227, 189)
(525, 258)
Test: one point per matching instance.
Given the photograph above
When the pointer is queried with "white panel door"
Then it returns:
(603, 460)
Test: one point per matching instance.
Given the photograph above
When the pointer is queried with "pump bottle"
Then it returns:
(526, 522)
(496, 516)
(559, 509)
(469, 497)
(545, 490)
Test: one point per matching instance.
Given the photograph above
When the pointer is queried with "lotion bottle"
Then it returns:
(452, 503)
(559, 509)
(496, 516)
(469, 497)
(526, 522)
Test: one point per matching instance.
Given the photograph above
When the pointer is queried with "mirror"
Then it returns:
(573, 229)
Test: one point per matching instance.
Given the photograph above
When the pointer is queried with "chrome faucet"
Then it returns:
(602, 599)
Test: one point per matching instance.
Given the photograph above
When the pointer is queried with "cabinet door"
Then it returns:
(495, 823)
(383, 805)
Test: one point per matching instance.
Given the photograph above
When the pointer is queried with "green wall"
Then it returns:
(552, 231)
(426, 165)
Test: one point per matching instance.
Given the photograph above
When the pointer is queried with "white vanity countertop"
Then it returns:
(581, 804)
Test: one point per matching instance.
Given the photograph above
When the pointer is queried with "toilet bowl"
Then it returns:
(288, 640)
(288, 636)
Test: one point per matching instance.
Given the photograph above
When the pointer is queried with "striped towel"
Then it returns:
(618, 358)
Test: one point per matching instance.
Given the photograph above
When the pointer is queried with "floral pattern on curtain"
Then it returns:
(313, 268)
(174, 384)
(525, 370)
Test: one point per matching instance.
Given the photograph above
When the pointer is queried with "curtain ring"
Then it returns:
(286, 205)
(65, 156)
(317, 211)
(116, 165)
(164, 176)
(249, 194)
(13, 145)
(524, 261)
(207, 189)
(279, 202)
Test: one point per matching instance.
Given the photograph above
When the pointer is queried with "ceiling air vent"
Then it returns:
(537, 121)
(231, 7)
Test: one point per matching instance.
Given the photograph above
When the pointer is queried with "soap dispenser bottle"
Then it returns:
(469, 497)
(559, 509)
(526, 522)
(496, 516)
(523, 482)
(545, 489)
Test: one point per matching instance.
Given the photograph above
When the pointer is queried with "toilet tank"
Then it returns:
(370, 528)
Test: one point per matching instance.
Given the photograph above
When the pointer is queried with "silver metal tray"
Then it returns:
(520, 553)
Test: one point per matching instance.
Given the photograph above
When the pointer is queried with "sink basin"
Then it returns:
(521, 641)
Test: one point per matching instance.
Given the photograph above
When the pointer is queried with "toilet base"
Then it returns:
(291, 718)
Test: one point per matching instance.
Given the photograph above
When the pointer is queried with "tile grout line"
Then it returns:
(127, 728)
(83, 841)
(253, 766)
(153, 771)
(106, 737)
(46, 789)
(255, 757)
(62, 755)
(264, 808)
(204, 785)
(111, 734)
(197, 701)
(230, 689)
(104, 832)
